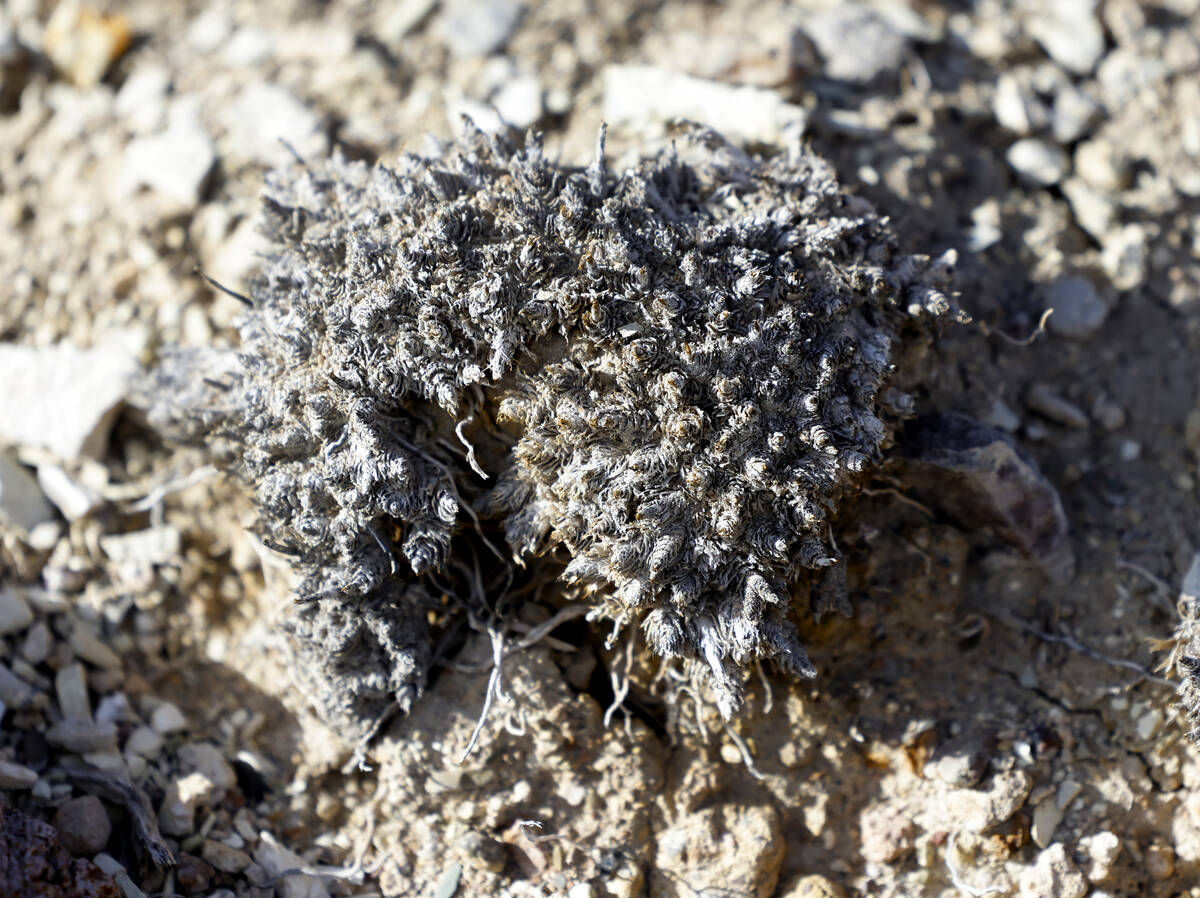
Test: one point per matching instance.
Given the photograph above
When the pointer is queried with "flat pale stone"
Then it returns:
(62, 398)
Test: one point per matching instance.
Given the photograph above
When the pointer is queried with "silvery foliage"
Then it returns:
(684, 366)
(1186, 658)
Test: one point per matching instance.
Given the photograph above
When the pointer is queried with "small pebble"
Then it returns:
(224, 858)
(1079, 310)
(193, 874)
(1099, 851)
(1160, 861)
(92, 650)
(35, 648)
(70, 684)
(1038, 160)
(1130, 450)
(15, 614)
(83, 825)
(145, 742)
(167, 719)
(1108, 414)
(1045, 400)
(16, 776)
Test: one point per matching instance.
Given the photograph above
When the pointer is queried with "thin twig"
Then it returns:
(1077, 646)
(163, 490)
(1027, 341)
(462, 438)
(620, 681)
(536, 635)
(1161, 589)
(890, 491)
(493, 688)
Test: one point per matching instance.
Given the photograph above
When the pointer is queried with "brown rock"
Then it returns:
(34, 864)
(729, 848)
(193, 874)
(83, 826)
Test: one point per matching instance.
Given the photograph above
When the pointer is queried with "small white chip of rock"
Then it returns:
(645, 97)
(175, 162)
(1070, 33)
(474, 28)
(1099, 851)
(856, 42)
(208, 760)
(70, 496)
(15, 613)
(167, 718)
(1046, 817)
(62, 397)
(156, 545)
(266, 119)
(1038, 160)
(276, 859)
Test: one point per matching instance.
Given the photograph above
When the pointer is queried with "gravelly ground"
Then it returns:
(975, 725)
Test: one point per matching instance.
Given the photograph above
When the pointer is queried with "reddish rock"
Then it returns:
(34, 864)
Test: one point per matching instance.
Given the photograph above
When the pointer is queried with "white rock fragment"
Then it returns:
(1053, 875)
(1079, 310)
(266, 119)
(144, 742)
(1016, 107)
(1046, 817)
(63, 398)
(478, 27)
(176, 162)
(22, 503)
(183, 796)
(167, 718)
(209, 30)
(1070, 33)
(1075, 112)
(74, 499)
(1124, 256)
(1102, 165)
(1093, 210)
(200, 757)
(856, 42)
(1099, 852)
(142, 99)
(276, 859)
(519, 102)
(15, 613)
(248, 46)
(645, 97)
(1038, 160)
(155, 545)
